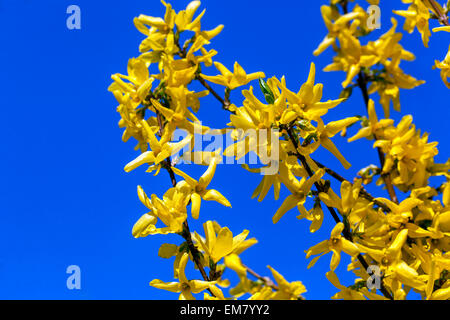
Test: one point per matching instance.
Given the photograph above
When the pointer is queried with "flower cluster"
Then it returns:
(155, 100)
(406, 237)
(418, 15)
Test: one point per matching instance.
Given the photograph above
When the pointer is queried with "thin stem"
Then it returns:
(267, 281)
(362, 84)
(186, 234)
(224, 102)
(362, 192)
(442, 17)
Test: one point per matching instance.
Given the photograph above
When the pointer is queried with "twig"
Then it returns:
(362, 84)
(267, 281)
(225, 102)
(443, 18)
(362, 192)
(186, 234)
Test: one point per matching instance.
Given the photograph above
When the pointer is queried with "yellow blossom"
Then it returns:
(335, 244)
(233, 79)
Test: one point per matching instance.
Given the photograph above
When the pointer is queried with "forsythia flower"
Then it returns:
(417, 15)
(286, 291)
(392, 265)
(196, 190)
(233, 79)
(160, 150)
(444, 66)
(186, 287)
(298, 197)
(373, 126)
(409, 240)
(219, 242)
(171, 210)
(335, 244)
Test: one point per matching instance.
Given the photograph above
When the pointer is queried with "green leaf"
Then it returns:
(346, 93)
(358, 285)
(183, 247)
(268, 94)
(310, 137)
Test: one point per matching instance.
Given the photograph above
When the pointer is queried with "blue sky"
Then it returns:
(65, 199)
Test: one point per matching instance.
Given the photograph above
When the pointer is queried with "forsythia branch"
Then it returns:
(362, 84)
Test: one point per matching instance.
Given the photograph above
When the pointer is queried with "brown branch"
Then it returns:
(182, 54)
(224, 102)
(442, 17)
(186, 234)
(267, 281)
(362, 84)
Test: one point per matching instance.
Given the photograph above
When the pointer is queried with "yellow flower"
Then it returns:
(306, 103)
(315, 215)
(171, 211)
(286, 290)
(219, 242)
(178, 118)
(349, 21)
(344, 293)
(160, 150)
(374, 127)
(329, 131)
(186, 287)
(445, 68)
(348, 200)
(335, 244)
(232, 80)
(400, 213)
(391, 263)
(183, 19)
(351, 57)
(417, 15)
(299, 191)
(408, 153)
(139, 83)
(197, 190)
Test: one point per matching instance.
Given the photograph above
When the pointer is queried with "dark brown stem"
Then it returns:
(344, 5)
(186, 234)
(442, 17)
(224, 102)
(362, 193)
(362, 84)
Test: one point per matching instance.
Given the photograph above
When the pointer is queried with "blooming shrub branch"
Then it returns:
(406, 236)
